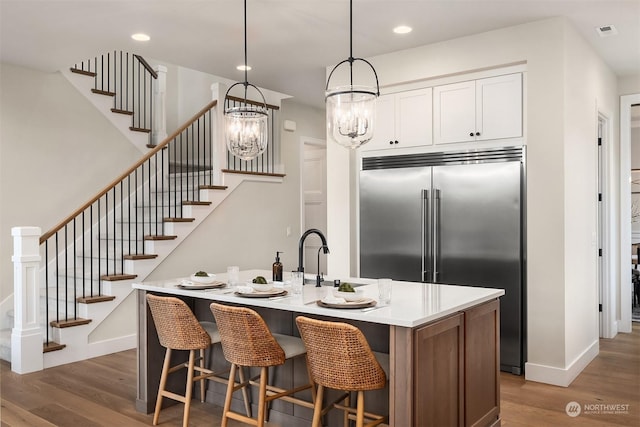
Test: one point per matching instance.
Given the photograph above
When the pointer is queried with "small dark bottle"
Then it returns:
(277, 269)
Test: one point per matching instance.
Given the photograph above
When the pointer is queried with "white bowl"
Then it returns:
(210, 278)
(349, 296)
(261, 287)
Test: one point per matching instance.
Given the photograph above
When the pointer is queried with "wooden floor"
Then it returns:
(101, 392)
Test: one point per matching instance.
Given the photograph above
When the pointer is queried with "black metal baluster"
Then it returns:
(106, 231)
(57, 281)
(149, 195)
(115, 233)
(156, 190)
(121, 229)
(181, 180)
(126, 101)
(142, 208)
(75, 272)
(91, 248)
(84, 255)
(162, 183)
(66, 276)
(129, 212)
(99, 248)
(46, 289)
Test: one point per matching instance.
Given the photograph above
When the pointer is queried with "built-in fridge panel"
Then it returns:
(390, 213)
(452, 218)
(478, 224)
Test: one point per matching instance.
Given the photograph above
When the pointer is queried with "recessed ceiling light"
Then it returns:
(140, 37)
(402, 29)
(243, 67)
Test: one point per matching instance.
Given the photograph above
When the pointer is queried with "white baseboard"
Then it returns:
(561, 376)
(113, 345)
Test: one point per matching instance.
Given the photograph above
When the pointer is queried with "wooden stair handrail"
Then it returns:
(146, 65)
(129, 171)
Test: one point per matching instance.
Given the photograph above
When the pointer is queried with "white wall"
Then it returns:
(57, 151)
(590, 88)
(250, 226)
(553, 244)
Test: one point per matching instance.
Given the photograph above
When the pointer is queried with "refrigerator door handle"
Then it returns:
(426, 237)
(436, 233)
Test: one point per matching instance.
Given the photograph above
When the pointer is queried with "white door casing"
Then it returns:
(314, 197)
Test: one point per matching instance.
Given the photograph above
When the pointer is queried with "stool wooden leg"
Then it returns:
(245, 393)
(189, 390)
(360, 409)
(163, 383)
(347, 403)
(264, 378)
(202, 381)
(317, 407)
(227, 399)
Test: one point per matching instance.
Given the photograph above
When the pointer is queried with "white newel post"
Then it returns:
(160, 109)
(26, 336)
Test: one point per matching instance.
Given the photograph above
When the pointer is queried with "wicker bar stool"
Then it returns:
(339, 357)
(178, 329)
(248, 342)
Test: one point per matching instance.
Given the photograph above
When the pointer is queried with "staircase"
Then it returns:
(91, 258)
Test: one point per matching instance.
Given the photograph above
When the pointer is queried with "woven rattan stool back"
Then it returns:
(246, 339)
(176, 325)
(339, 356)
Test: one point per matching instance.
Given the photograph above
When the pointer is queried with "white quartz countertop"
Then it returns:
(412, 304)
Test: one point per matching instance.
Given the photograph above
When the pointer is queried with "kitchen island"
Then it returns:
(442, 342)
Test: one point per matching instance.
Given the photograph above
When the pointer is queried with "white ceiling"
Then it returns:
(290, 42)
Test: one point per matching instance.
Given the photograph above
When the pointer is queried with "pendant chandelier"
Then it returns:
(246, 126)
(351, 109)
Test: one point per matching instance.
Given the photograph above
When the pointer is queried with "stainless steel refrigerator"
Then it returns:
(452, 218)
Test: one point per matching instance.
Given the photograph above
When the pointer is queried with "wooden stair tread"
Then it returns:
(136, 129)
(119, 111)
(135, 257)
(69, 323)
(179, 219)
(278, 175)
(194, 203)
(83, 72)
(103, 92)
(159, 237)
(213, 187)
(52, 346)
(95, 299)
(117, 277)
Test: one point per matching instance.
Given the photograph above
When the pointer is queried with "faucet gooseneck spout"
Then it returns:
(324, 247)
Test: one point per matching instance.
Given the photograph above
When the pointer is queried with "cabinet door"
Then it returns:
(482, 364)
(439, 375)
(454, 113)
(385, 127)
(499, 107)
(414, 118)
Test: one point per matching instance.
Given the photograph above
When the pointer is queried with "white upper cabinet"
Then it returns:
(402, 120)
(478, 110)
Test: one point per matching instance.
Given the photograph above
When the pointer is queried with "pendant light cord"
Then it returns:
(246, 65)
(350, 42)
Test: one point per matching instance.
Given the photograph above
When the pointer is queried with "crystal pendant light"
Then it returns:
(246, 126)
(351, 109)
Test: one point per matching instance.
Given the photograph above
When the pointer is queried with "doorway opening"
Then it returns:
(626, 104)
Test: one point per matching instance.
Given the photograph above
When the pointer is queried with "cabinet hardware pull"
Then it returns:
(471, 134)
